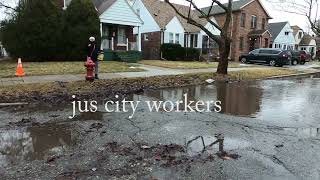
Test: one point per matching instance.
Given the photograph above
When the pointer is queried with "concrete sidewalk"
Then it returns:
(149, 72)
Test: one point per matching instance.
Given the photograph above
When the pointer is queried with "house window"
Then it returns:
(241, 43)
(122, 39)
(277, 46)
(243, 20)
(253, 22)
(177, 40)
(263, 23)
(146, 37)
(171, 38)
(300, 35)
(286, 33)
(285, 47)
(194, 40)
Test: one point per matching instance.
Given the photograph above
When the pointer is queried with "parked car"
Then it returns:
(271, 56)
(300, 57)
(305, 57)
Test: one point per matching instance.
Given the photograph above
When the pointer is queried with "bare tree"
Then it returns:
(224, 39)
(8, 6)
(307, 8)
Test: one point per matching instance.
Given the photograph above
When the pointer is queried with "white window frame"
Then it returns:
(177, 38)
(123, 29)
(254, 21)
(195, 41)
(146, 37)
(171, 38)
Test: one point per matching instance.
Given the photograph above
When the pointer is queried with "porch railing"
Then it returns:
(109, 44)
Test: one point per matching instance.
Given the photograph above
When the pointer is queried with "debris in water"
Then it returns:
(279, 145)
(94, 169)
(210, 81)
(145, 147)
(227, 156)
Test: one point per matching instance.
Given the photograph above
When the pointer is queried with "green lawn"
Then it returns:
(185, 64)
(8, 68)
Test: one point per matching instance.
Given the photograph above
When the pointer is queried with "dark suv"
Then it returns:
(300, 57)
(273, 57)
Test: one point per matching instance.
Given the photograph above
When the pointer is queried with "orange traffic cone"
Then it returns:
(20, 71)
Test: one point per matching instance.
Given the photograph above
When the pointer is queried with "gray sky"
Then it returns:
(277, 16)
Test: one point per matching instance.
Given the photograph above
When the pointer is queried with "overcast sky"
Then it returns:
(277, 16)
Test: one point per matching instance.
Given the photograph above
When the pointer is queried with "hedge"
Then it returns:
(175, 52)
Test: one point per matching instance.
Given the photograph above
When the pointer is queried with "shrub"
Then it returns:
(192, 54)
(172, 52)
(175, 52)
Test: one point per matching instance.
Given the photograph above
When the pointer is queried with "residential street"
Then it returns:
(271, 131)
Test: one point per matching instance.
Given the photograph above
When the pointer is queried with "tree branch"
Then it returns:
(2, 5)
(193, 22)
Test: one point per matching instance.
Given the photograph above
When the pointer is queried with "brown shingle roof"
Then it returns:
(295, 29)
(306, 40)
(163, 14)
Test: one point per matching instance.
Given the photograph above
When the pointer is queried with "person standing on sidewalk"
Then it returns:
(93, 52)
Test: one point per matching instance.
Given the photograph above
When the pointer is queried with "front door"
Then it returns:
(251, 44)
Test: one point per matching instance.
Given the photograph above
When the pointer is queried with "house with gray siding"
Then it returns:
(282, 34)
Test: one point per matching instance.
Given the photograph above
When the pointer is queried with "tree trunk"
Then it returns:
(224, 51)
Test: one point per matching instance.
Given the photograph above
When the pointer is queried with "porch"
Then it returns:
(259, 39)
(115, 37)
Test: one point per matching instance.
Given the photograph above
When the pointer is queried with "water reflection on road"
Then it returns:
(273, 100)
(33, 143)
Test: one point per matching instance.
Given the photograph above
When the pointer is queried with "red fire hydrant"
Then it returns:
(90, 65)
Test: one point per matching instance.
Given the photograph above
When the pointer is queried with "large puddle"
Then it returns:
(33, 143)
(282, 101)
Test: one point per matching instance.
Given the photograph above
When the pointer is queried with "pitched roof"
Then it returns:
(236, 6)
(306, 39)
(258, 32)
(295, 29)
(102, 5)
(276, 28)
(163, 13)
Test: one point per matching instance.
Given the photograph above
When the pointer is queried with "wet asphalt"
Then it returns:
(271, 127)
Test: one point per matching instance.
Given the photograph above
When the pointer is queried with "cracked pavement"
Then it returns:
(273, 128)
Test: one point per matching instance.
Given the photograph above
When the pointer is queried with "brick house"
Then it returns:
(249, 26)
(163, 25)
(117, 21)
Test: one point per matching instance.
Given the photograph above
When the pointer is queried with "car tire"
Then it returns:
(303, 62)
(244, 60)
(272, 62)
(294, 62)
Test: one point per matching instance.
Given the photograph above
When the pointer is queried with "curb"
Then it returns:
(299, 75)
